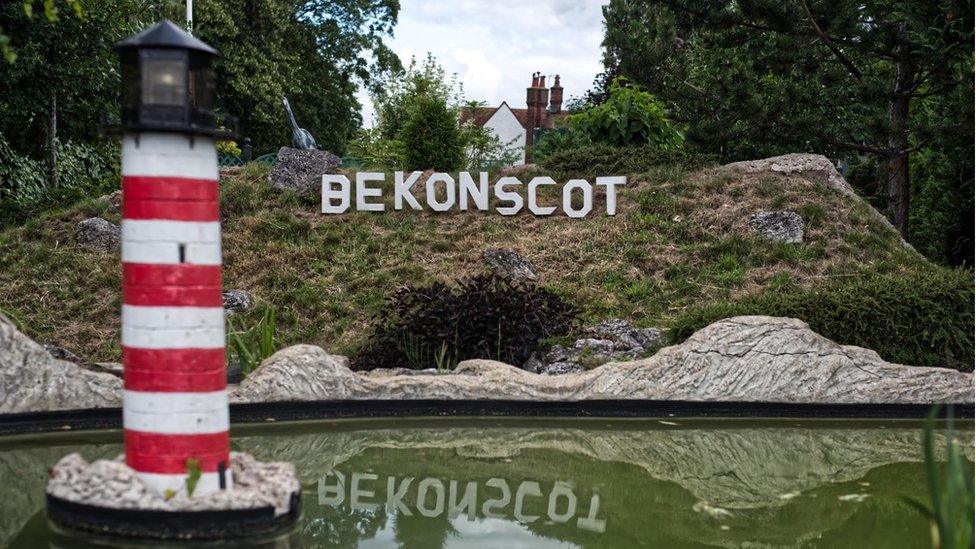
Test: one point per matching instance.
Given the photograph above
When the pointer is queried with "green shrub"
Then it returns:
(85, 170)
(924, 318)
(431, 137)
(605, 160)
(481, 317)
(629, 116)
(557, 140)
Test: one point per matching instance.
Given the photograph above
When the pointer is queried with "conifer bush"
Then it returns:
(485, 316)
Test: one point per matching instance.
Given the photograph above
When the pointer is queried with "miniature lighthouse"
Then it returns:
(175, 411)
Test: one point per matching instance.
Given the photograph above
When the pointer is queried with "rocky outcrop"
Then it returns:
(508, 264)
(813, 167)
(749, 359)
(778, 226)
(98, 234)
(613, 340)
(33, 380)
(301, 170)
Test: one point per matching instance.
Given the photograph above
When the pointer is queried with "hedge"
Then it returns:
(923, 318)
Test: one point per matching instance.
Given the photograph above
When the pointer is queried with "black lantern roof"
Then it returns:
(164, 34)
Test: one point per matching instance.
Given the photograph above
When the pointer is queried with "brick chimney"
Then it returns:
(556, 97)
(542, 116)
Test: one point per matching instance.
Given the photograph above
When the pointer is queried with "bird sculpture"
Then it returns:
(300, 138)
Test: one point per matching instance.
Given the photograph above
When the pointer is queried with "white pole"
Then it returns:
(189, 16)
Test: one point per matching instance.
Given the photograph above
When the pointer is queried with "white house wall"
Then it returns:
(508, 130)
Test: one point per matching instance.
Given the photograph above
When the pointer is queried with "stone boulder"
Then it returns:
(508, 264)
(747, 359)
(778, 226)
(33, 380)
(612, 340)
(813, 167)
(302, 170)
(112, 201)
(237, 301)
(98, 234)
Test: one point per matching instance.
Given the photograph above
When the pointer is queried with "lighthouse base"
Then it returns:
(107, 498)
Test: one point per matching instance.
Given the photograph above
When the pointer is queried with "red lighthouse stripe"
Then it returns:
(173, 296)
(145, 274)
(176, 210)
(161, 381)
(135, 187)
(166, 453)
(183, 361)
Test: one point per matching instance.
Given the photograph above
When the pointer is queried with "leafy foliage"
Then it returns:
(193, 473)
(431, 137)
(481, 317)
(951, 489)
(250, 346)
(85, 170)
(923, 319)
(629, 116)
(556, 140)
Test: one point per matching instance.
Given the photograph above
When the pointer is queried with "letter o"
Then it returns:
(562, 489)
(422, 488)
(432, 192)
(568, 198)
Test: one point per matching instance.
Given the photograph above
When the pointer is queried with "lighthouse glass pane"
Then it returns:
(164, 82)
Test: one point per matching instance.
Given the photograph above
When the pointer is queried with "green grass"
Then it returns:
(679, 240)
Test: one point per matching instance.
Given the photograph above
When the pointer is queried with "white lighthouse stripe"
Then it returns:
(168, 253)
(153, 402)
(208, 483)
(178, 423)
(169, 155)
(164, 230)
(173, 338)
(138, 316)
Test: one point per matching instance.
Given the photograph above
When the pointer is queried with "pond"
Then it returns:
(514, 483)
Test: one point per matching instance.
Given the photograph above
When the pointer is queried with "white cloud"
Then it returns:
(494, 46)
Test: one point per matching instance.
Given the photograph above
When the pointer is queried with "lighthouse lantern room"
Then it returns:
(175, 410)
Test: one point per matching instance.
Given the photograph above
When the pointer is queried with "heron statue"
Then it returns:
(300, 138)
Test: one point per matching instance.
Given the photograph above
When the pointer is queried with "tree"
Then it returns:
(431, 138)
(628, 116)
(315, 52)
(768, 75)
(400, 91)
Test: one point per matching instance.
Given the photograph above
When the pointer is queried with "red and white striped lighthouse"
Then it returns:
(175, 410)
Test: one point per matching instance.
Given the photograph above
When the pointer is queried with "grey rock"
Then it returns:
(61, 353)
(561, 368)
(302, 170)
(813, 167)
(748, 359)
(387, 372)
(112, 201)
(98, 234)
(508, 264)
(112, 484)
(113, 368)
(609, 341)
(778, 226)
(32, 380)
(237, 301)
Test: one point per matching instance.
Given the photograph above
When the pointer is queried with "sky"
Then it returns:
(494, 46)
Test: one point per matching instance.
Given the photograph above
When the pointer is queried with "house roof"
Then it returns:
(481, 115)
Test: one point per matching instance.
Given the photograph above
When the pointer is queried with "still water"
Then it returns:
(516, 483)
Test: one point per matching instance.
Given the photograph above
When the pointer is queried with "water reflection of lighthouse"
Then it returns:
(175, 401)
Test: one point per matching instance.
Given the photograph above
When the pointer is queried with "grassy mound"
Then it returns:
(679, 240)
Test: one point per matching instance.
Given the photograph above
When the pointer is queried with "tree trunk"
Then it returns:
(52, 142)
(898, 178)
